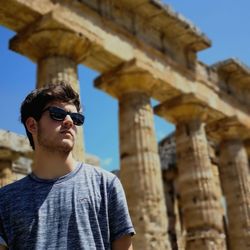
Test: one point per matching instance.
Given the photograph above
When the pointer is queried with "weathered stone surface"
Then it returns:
(234, 79)
(176, 229)
(183, 107)
(140, 164)
(12, 148)
(139, 157)
(234, 175)
(235, 183)
(200, 202)
(15, 143)
(167, 152)
(5, 172)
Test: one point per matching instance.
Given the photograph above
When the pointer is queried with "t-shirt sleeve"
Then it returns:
(119, 218)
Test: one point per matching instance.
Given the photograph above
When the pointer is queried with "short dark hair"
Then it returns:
(37, 100)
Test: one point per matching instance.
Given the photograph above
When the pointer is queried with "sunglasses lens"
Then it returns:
(57, 114)
(77, 118)
(60, 114)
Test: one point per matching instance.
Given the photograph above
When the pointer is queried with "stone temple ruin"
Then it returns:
(201, 197)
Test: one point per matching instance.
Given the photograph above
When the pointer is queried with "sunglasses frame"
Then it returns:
(73, 115)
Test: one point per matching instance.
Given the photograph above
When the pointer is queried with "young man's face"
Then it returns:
(57, 136)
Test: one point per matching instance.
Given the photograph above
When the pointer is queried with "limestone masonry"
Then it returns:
(195, 194)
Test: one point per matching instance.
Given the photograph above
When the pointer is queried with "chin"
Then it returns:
(66, 147)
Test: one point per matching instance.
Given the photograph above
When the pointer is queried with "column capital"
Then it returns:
(184, 108)
(228, 129)
(128, 77)
(49, 37)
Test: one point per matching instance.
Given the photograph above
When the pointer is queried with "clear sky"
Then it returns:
(225, 22)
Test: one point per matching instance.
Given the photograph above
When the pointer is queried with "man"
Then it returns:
(62, 204)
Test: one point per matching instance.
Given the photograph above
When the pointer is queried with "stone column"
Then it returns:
(57, 51)
(234, 174)
(199, 200)
(140, 169)
(53, 69)
(176, 230)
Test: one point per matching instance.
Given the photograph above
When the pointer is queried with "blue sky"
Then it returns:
(225, 22)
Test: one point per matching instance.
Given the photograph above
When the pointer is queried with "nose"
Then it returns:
(68, 122)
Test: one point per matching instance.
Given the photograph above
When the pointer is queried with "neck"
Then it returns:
(50, 165)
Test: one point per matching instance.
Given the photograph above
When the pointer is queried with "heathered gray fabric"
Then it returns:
(85, 209)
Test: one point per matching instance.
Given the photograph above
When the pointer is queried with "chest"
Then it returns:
(55, 210)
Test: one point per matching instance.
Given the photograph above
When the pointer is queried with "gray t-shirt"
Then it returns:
(85, 209)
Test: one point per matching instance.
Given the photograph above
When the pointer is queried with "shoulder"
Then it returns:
(12, 190)
(101, 177)
(15, 186)
(98, 173)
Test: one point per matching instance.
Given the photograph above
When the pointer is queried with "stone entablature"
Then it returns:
(109, 40)
(168, 32)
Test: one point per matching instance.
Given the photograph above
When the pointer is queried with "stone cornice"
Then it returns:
(154, 14)
(234, 72)
(151, 22)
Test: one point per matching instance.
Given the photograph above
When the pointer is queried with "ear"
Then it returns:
(31, 125)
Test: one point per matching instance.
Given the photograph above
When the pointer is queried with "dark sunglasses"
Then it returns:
(59, 114)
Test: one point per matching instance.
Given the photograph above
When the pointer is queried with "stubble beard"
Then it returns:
(52, 145)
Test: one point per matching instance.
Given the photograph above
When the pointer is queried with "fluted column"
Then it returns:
(140, 169)
(199, 200)
(234, 174)
(177, 232)
(57, 51)
(53, 69)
